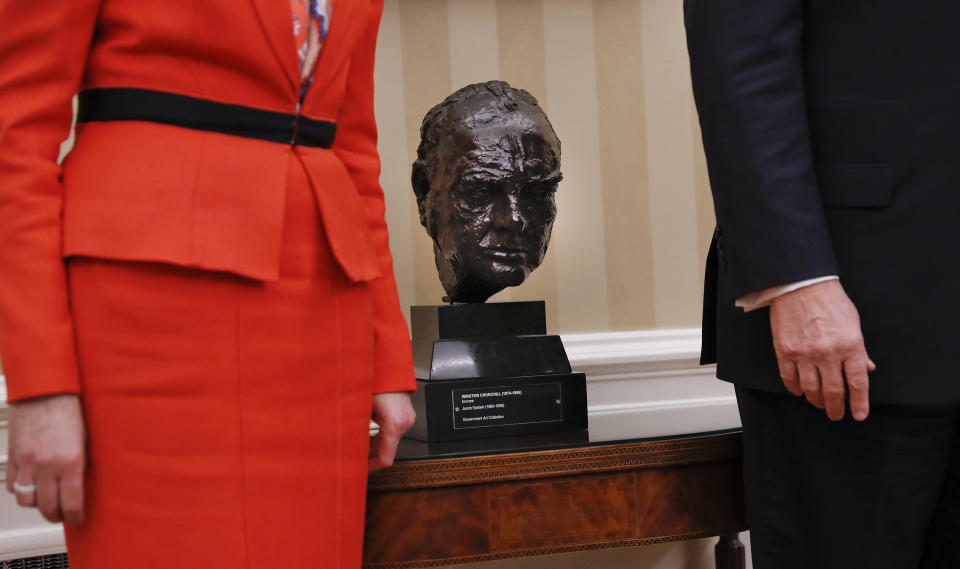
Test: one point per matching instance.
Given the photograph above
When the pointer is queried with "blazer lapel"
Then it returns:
(339, 43)
(277, 23)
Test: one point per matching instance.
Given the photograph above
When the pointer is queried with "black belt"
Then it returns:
(126, 104)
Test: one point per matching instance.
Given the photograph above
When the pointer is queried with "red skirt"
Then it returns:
(228, 418)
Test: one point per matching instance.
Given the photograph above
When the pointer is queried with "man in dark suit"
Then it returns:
(832, 134)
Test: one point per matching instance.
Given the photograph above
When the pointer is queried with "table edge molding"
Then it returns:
(540, 464)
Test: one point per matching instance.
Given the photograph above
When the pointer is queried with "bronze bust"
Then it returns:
(485, 178)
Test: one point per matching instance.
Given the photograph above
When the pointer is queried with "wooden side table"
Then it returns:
(446, 507)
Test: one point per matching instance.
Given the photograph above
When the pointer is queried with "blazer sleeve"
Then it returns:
(748, 83)
(356, 145)
(43, 51)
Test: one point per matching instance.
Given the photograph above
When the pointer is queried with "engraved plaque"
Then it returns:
(499, 406)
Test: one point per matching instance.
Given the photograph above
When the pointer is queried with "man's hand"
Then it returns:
(817, 337)
(394, 413)
(47, 451)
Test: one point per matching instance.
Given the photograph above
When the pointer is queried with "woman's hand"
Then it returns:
(394, 413)
(47, 452)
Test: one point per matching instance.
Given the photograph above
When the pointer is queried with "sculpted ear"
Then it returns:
(421, 188)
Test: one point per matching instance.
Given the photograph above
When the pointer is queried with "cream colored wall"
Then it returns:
(635, 216)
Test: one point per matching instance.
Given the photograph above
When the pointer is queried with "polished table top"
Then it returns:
(411, 450)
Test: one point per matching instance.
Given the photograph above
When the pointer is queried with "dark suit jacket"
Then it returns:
(831, 132)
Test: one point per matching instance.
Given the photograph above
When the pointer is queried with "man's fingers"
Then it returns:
(871, 367)
(71, 498)
(834, 393)
(810, 383)
(48, 498)
(790, 377)
(816, 399)
(858, 382)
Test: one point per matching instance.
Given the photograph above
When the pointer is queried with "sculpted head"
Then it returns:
(485, 179)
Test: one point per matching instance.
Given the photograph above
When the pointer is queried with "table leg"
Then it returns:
(730, 553)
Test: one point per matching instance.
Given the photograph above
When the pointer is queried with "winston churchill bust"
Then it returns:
(485, 179)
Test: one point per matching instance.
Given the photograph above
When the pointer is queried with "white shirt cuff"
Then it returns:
(762, 298)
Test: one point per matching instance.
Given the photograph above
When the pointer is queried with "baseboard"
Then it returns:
(31, 542)
(639, 384)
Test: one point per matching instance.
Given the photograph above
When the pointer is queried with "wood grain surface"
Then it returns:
(461, 510)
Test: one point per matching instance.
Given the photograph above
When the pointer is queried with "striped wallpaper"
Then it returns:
(635, 215)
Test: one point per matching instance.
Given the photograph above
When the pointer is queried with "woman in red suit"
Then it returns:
(198, 315)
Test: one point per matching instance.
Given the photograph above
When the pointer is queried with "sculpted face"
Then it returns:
(488, 195)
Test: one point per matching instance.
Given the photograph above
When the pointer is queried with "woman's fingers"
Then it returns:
(48, 498)
(57, 494)
(48, 455)
(386, 448)
(11, 475)
(24, 479)
(373, 461)
(394, 413)
(71, 498)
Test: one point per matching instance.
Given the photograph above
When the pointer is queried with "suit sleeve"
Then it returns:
(43, 51)
(357, 148)
(747, 69)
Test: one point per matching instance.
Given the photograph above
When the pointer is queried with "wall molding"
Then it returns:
(602, 354)
(31, 541)
(639, 384)
(650, 383)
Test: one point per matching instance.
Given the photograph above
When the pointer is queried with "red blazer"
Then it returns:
(153, 192)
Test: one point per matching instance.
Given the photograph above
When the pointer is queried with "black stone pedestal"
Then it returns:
(489, 370)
